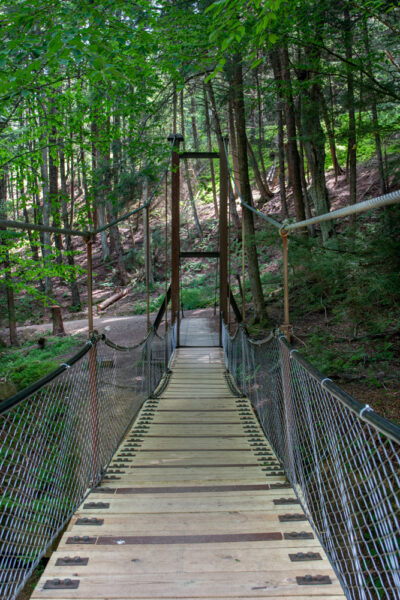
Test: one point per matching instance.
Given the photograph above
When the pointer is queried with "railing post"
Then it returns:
(94, 409)
(243, 360)
(175, 228)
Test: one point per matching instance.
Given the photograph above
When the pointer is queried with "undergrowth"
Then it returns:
(28, 363)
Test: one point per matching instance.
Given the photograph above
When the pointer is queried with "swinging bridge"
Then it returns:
(197, 464)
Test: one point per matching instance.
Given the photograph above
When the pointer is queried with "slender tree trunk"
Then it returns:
(375, 121)
(292, 150)
(53, 188)
(251, 247)
(12, 323)
(260, 125)
(218, 132)
(281, 153)
(188, 178)
(75, 297)
(314, 141)
(46, 211)
(233, 144)
(212, 171)
(352, 139)
(194, 124)
(265, 192)
(331, 134)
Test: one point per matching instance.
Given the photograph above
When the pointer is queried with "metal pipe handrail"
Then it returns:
(363, 411)
(20, 396)
(379, 201)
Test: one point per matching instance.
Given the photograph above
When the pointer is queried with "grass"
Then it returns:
(25, 365)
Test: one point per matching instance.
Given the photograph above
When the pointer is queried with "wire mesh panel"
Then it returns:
(56, 442)
(342, 460)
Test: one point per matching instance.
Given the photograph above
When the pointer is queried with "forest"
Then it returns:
(303, 95)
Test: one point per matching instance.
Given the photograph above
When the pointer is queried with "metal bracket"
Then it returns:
(61, 584)
(280, 501)
(314, 580)
(305, 556)
(292, 517)
(89, 521)
(280, 486)
(298, 535)
(103, 490)
(77, 539)
(90, 505)
(68, 561)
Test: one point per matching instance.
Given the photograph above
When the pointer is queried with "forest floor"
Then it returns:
(370, 370)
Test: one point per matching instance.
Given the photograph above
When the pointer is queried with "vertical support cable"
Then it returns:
(286, 322)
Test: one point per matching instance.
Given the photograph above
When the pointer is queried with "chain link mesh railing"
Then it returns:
(342, 459)
(57, 439)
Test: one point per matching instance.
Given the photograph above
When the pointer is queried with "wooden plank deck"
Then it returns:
(190, 506)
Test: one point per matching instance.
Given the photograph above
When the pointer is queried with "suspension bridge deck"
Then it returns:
(194, 505)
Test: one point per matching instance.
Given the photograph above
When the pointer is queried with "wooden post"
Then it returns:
(175, 228)
(57, 320)
(89, 242)
(223, 238)
(94, 409)
(147, 251)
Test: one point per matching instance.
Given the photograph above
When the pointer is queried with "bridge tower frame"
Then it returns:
(176, 139)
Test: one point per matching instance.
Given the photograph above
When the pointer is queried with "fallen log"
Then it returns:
(116, 296)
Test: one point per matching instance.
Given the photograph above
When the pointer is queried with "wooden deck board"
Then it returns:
(190, 509)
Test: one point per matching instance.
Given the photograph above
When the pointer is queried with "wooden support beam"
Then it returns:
(223, 238)
(200, 155)
(195, 254)
(176, 139)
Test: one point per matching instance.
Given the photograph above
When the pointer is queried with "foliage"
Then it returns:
(25, 365)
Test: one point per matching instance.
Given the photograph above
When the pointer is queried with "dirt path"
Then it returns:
(125, 330)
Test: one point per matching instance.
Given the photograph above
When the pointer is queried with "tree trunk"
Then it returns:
(352, 139)
(53, 188)
(75, 297)
(233, 144)
(12, 323)
(46, 210)
(281, 152)
(187, 173)
(265, 192)
(218, 132)
(212, 171)
(56, 318)
(331, 134)
(251, 248)
(260, 126)
(375, 121)
(292, 150)
(314, 141)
